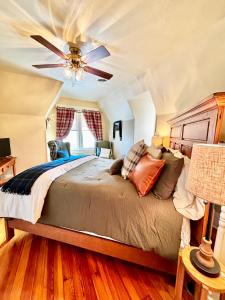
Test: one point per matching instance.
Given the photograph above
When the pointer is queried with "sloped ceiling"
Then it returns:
(172, 48)
(27, 95)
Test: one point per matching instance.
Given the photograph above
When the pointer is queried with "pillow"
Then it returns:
(164, 149)
(184, 201)
(62, 153)
(132, 158)
(116, 167)
(154, 152)
(168, 179)
(176, 153)
(105, 152)
(145, 174)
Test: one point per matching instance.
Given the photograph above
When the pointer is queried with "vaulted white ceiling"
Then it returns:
(172, 48)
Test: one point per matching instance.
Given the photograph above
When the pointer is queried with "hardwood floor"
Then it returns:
(36, 268)
(2, 231)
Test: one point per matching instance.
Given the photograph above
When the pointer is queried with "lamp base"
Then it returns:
(213, 271)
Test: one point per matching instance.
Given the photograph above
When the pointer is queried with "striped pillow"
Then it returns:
(132, 158)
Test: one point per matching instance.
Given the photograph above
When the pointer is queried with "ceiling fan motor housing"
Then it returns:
(75, 56)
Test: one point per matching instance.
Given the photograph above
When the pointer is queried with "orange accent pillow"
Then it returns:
(146, 173)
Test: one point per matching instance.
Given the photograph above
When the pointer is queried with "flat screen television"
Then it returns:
(5, 149)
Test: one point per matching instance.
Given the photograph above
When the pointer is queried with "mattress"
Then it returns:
(88, 198)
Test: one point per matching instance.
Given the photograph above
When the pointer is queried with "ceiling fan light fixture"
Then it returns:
(68, 72)
(83, 58)
(79, 73)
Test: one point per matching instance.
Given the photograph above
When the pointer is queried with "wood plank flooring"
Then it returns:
(2, 231)
(36, 268)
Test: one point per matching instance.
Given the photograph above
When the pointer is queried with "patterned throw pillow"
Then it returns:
(53, 149)
(132, 158)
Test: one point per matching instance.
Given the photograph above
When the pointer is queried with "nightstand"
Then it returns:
(5, 164)
(204, 283)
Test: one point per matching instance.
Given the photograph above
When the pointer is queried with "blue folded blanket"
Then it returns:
(22, 183)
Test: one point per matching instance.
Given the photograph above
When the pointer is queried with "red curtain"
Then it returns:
(64, 121)
(94, 123)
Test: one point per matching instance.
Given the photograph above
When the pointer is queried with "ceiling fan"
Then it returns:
(75, 63)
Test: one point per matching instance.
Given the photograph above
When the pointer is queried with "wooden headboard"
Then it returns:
(199, 124)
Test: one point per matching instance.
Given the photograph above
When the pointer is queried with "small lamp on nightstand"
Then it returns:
(158, 141)
(206, 180)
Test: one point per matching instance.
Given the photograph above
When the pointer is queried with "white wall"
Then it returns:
(133, 104)
(116, 108)
(144, 117)
(27, 138)
(26, 94)
(121, 148)
(162, 125)
(24, 102)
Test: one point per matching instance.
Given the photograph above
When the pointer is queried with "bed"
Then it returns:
(130, 247)
(109, 206)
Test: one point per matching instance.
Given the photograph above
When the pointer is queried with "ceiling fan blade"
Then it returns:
(49, 66)
(98, 72)
(96, 54)
(48, 45)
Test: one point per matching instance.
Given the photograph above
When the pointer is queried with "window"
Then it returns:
(80, 137)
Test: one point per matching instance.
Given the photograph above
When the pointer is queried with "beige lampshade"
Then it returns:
(206, 177)
(166, 141)
(157, 141)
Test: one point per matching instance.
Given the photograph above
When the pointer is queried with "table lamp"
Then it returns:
(166, 141)
(206, 180)
(157, 141)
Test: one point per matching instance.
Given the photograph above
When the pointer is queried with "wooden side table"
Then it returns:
(5, 163)
(204, 283)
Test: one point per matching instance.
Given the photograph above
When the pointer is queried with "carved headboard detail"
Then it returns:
(199, 124)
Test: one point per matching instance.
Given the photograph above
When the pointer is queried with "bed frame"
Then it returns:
(201, 123)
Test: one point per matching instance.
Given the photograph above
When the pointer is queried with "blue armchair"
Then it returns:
(58, 149)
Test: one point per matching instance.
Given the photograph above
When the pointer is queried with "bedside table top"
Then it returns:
(6, 160)
(5, 163)
(214, 284)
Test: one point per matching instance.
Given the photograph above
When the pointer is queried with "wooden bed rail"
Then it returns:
(97, 244)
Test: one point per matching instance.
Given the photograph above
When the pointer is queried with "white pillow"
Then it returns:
(177, 153)
(105, 152)
(184, 201)
(185, 233)
(154, 152)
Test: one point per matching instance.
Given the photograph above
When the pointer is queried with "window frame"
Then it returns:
(78, 117)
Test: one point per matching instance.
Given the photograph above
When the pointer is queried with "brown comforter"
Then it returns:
(88, 198)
